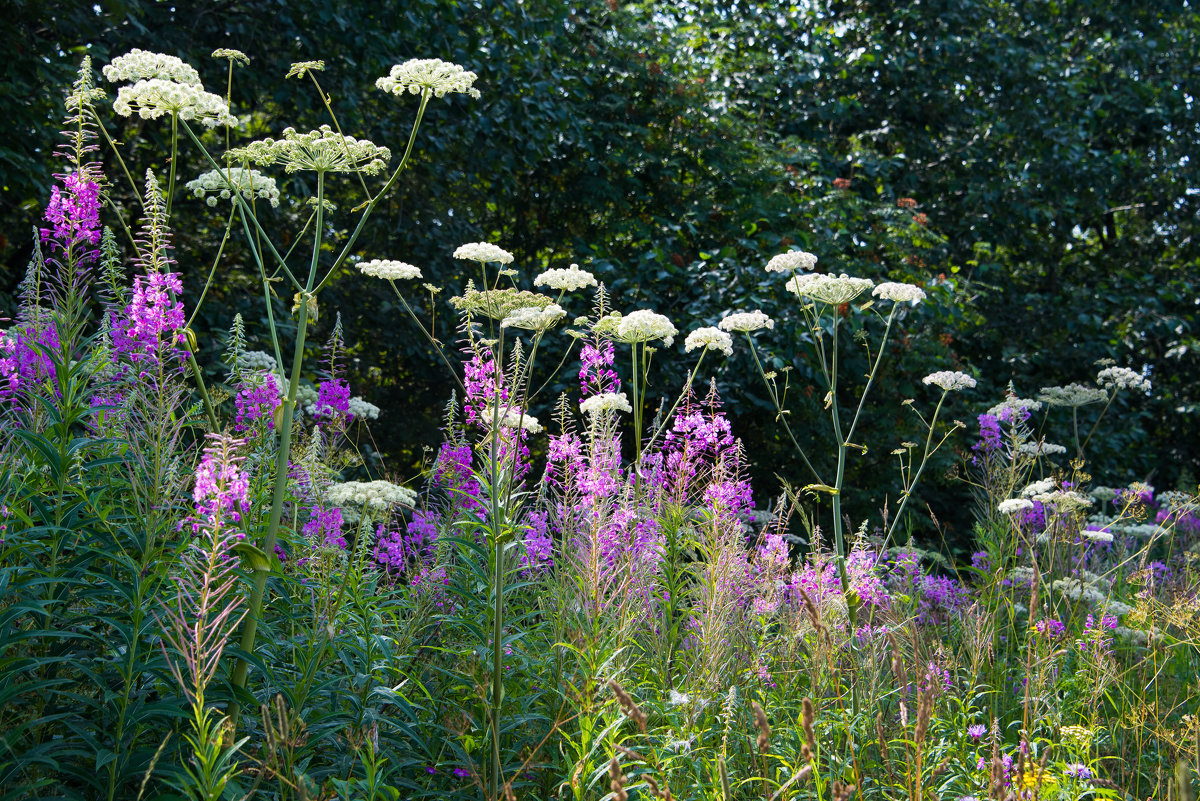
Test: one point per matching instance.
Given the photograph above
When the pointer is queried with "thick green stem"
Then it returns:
(282, 460)
(174, 157)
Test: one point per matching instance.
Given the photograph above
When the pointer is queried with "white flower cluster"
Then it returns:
(512, 418)
(899, 293)
(257, 360)
(498, 303)
(389, 269)
(534, 318)
(362, 410)
(248, 183)
(323, 150)
(428, 75)
(376, 496)
(1122, 378)
(483, 252)
(1038, 488)
(1041, 448)
(138, 65)
(1063, 500)
(709, 338)
(1072, 395)
(567, 280)
(644, 325)
(1014, 505)
(745, 322)
(153, 97)
(234, 56)
(791, 261)
(605, 402)
(1095, 535)
(949, 380)
(831, 289)
(1013, 404)
(1076, 590)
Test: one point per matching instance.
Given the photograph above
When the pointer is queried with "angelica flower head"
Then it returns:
(302, 68)
(389, 269)
(428, 76)
(498, 303)
(831, 289)
(138, 65)
(483, 252)
(152, 98)
(534, 318)
(899, 293)
(791, 261)
(709, 338)
(233, 56)
(949, 380)
(1038, 488)
(745, 322)
(1072, 395)
(605, 402)
(645, 326)
(515, 418)
(323, 150)
(567, 280)
(1122, 378)
(373, 495)
(1014, 505)
(217, 184)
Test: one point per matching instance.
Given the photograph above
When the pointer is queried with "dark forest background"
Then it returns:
(672, 149)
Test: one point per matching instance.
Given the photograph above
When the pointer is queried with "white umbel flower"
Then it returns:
(949, 380)
(139, 65)
(605, 402)
(1122, 378)
(483, 252)
(215, 185)
(745, 322)
(791, 261)
(1038, 488)
(152, 98)
(428, 75)
(376, 496)
(389, 269)
(1014, 405)
(534, 318)
(709, 338)
(362, 410)
(1072, 395)
(513, 418)
(567, 280)
(322, 150)
(899, 293)
(644, 325)
(831, 289)
(1041, 449)
(257, 360)
(1014, 505)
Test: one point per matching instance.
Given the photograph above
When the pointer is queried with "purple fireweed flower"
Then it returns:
(256, 401)
(453, 474)
(1050, 628)
(153, 320)
(74, 214)
(333, 400)
(596, 375)
(990, 436)
(324, 527)
(538, 553)
(221, 494)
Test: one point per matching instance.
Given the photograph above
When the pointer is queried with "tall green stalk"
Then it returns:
(282, 460)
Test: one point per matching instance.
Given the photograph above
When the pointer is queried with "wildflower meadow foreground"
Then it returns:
(208, 590)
